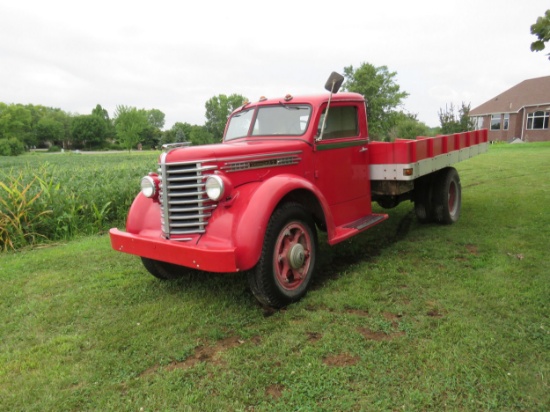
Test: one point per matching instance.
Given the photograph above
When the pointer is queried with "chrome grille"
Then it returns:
(185, 208)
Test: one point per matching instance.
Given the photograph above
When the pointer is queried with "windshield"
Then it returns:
(281, 120)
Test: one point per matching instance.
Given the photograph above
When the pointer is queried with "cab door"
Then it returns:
(341, 162)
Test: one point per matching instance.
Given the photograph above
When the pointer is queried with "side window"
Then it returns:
(341, 122)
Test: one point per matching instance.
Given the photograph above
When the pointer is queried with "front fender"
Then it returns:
(143, 216)
(257, 206)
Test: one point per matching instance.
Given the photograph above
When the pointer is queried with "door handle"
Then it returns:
(363, 149)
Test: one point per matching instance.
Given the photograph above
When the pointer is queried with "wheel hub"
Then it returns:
(296, 256)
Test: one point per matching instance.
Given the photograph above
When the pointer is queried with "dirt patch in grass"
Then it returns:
(202, 353)
(343, 359)
(435, 310)
(434, 313)
(275, 391)
(313, 337)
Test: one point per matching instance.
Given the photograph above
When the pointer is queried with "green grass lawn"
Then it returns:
(404, 317)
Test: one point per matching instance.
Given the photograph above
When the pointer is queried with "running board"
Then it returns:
(348, 230)
(366, 222)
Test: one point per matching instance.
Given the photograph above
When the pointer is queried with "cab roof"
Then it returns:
(314, 100)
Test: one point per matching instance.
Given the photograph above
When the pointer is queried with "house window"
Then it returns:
(506, 122)
(477, 122)
(538, 120)
(495, 121)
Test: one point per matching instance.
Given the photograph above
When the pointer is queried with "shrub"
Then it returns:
(54, 149)
(11, 147)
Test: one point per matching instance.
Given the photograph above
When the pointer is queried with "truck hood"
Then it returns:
(238, 151)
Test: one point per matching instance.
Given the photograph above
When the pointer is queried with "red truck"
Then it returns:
(285, 169)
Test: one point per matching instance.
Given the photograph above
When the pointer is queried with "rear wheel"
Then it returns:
(447, 196)
(423, 199)
(164, 270)
(287, 261)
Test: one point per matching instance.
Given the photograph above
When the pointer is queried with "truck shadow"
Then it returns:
(333, 261)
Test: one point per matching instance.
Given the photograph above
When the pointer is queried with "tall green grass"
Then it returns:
(57, 197)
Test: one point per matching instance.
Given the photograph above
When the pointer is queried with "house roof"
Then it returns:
(530, 92)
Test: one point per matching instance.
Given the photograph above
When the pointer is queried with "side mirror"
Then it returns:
(334, 82)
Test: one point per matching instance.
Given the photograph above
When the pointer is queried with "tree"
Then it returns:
(456, 123)
(103, 114)
(541, 29)
(218, 109)
(65, 120)
(200, 135)
(88, 130)
(49, 130)
(180, 132)
(156, 118)
(382, 93)
(15, 122)
(408, 127)
(152, 135)
(130, 123)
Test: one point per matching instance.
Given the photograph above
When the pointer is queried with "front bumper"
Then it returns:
(209, 259)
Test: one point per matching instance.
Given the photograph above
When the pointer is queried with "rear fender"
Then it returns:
(258, 205)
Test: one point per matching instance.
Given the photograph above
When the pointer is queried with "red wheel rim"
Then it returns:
(453, 198)
(292, 257)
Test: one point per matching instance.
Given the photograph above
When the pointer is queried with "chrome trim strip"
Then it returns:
(260, 164)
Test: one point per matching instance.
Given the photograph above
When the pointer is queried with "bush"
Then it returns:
(11, 147)
(114, 146)
(54, 149)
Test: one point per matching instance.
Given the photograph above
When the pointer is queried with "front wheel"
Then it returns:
(287, 261)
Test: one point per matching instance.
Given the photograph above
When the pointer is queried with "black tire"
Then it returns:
(447, 196)
(287, 261)
(166, 271)
(423, 203)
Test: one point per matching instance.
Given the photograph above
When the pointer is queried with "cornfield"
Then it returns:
(57, 197)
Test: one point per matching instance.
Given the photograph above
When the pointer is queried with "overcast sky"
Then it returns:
(175, 55)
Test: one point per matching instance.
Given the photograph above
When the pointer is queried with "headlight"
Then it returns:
(148, 187)
(214, 187)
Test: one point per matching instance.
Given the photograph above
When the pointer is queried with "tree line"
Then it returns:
(23, 127)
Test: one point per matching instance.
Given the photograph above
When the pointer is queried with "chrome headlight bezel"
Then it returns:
(214, 187)
(149, 187)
